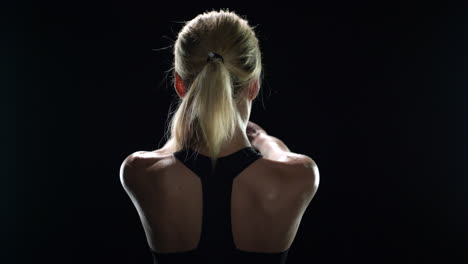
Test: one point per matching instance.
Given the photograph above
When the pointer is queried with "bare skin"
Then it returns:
(247, 133)
(268, 198)
(240, 138)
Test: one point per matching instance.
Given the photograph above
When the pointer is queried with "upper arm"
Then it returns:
(134, 167)
(133, 177)
(312, 176)
(307, 172)
(129, 170)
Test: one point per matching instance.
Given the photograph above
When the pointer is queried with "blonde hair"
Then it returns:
(207, 114)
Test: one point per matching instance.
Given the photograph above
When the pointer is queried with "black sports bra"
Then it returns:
(216, 244)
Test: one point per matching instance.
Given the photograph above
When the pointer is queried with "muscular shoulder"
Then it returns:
(302, 163)
(299, 168)
(138, 165)
(294, 162)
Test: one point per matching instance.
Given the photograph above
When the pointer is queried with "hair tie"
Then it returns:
(213, 55)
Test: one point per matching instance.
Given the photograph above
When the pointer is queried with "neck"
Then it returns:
(238, 141)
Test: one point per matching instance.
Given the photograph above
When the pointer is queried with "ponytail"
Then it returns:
(207, 114)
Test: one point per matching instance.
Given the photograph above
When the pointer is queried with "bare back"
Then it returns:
(268, 201)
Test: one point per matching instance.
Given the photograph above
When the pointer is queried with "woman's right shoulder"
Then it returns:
(298, 167)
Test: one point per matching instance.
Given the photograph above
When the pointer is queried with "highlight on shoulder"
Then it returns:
(300, 160)
(140, 158)
(302, 165)
(136, 164)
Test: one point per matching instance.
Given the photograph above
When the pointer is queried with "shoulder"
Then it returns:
(302, 163)
(138, 165)
(302, 168)
(293, 162)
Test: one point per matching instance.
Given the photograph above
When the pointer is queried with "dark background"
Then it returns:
(376, 95)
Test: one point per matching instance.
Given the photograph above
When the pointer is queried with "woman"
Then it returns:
(221, 190)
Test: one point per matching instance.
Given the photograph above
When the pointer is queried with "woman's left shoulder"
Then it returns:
(139, 159)
(140, 163)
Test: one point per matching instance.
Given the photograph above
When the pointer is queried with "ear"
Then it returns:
(179, 85)
(253, 90)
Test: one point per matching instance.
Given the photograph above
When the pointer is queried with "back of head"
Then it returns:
(207, 113)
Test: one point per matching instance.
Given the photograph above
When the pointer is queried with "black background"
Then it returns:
(376, 95)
